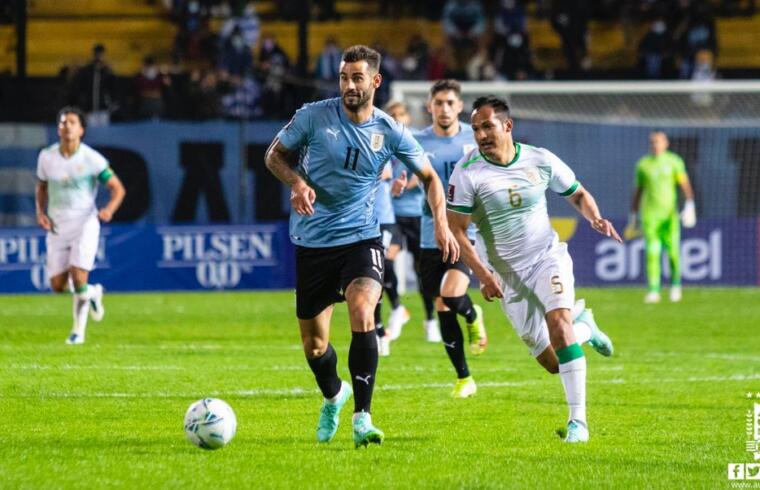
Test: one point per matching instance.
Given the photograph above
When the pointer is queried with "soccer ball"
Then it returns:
(210, 423)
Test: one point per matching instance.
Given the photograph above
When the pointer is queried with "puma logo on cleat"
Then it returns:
(451, 345)
(365, 379)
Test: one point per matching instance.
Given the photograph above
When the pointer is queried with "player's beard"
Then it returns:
(362, 100)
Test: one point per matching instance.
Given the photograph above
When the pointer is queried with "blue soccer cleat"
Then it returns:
(329, 415)
(366, 433)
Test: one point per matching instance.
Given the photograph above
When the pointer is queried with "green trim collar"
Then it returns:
(518, 147)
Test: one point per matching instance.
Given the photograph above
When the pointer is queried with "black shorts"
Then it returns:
(408, 234)
(432, 270)
(323, 274)
(387, 232)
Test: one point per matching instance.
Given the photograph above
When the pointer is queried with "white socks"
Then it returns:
(81, 310)
(573, 375)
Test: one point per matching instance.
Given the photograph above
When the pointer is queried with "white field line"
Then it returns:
(300, 391)
(295, 368)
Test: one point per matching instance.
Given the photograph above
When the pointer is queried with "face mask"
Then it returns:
(193, 7)
(237, 42)
(150, 72)
(658, 27)
(515, 40)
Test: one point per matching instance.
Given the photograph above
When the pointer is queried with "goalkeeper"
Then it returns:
(657, 175)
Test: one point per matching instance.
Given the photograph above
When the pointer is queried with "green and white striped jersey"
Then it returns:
(508, 202)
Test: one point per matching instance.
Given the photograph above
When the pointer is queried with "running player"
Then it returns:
(501, 186)
(69, 172)
(340, 146)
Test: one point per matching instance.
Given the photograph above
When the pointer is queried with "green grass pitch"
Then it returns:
(667, 411)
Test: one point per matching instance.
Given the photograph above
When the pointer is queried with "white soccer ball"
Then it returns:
(210, 423)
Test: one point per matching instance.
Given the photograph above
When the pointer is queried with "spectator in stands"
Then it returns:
(236, 58)
(94, 88)
(204, 99)
(510, 17)
(328, 68)
(243, 101)
(149, 86)
(246, 20)
(194, 41)
(464, 23)
(656, 51)
(274, 65)
(389, 70)
(512, 57)
(698, 32)
(437, 66)
(413, 65)
(570, 20)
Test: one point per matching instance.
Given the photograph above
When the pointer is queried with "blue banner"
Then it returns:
(715, 252)
(145, 257)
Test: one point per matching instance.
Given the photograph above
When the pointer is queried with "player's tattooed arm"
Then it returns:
(280, 161)
(584, 202)
(490, 289)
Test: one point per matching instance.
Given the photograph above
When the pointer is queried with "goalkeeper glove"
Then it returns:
(632, 229)
(689, 214)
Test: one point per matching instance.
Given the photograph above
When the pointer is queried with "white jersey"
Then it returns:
(508, 203)
(72, 182)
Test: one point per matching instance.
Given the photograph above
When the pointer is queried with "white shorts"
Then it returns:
(529, 294)
(74, 244)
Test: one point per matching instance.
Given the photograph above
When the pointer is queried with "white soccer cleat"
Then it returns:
(432, 330)
(398, 318)
(75, 339)
(652, 297)
(576, 432)
(384, 346)
(97, 310)
(675, 294)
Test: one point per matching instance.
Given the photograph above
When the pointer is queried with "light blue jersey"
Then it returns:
(409, 203)
(444, 153)
(383, 205)
(342, 162)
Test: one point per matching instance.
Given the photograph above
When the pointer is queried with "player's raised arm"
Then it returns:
(584, 202)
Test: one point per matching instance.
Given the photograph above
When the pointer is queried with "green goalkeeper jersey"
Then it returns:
(658, 178)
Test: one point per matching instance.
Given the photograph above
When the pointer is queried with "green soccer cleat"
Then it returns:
(476, 331)
(329, 415)
(464, 388)
(576, 432)
(366, 433)
(599, 340)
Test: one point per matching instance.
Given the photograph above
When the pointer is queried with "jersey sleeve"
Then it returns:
(100, 167)
(460, 196)
(409, 151)
(41, 168)
(563, 180)
(296, 133)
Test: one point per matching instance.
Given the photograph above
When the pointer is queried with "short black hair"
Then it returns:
(70, 109)
(360, 52)
(446, 84)
(498, 104)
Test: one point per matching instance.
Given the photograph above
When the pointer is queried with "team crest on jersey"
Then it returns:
(467, 149)
(532, 175)
(376, 141)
